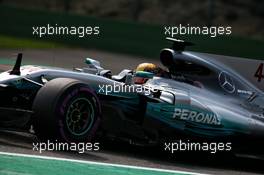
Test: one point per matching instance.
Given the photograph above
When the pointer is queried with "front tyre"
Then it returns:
(66, 109)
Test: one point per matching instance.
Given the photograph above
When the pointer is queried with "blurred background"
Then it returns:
(135, 27)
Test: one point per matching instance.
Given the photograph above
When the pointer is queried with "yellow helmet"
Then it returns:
(148, 67)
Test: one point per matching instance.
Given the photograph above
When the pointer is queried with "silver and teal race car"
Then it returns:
(199, 99)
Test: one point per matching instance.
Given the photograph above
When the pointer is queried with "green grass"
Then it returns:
(7, 42)
(117, 36)
(40, 166)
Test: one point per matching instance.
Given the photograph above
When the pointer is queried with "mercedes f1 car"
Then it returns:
(200, 99)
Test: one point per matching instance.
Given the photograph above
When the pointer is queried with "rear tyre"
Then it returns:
(66, 109)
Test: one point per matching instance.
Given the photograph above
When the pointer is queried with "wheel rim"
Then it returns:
(80, 116)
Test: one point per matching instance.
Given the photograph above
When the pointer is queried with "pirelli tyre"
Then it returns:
(66, 109)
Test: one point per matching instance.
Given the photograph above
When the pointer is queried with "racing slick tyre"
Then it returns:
(66, 109)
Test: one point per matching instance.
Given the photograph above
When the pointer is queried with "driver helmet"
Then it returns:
(148, 67)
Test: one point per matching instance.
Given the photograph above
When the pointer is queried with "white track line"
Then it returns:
(97, 163)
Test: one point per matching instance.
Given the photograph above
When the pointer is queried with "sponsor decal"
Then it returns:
(196, 116)
(240, 91)
(226, 82)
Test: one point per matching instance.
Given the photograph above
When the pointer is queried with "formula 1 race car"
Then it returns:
(201, 99)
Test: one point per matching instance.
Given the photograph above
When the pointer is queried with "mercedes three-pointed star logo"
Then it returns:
(226, 82)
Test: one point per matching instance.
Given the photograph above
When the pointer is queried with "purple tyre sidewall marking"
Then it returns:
(61, 108)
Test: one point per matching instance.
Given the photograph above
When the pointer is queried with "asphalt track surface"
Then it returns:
(112, 152)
